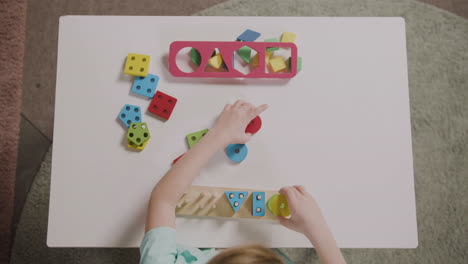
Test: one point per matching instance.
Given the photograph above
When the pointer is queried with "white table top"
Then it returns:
(341, 128)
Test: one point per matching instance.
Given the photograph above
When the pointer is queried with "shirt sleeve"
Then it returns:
(159, 246)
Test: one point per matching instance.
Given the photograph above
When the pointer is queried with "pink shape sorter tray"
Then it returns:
(227, 50)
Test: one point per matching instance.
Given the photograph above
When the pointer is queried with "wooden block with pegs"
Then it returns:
(205, 201)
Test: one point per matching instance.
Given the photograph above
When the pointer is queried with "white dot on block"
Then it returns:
(241, 195)
(259, 209)
(231, 195)
(259, 197)
(236, 204)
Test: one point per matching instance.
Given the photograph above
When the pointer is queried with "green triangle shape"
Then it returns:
(194, 137)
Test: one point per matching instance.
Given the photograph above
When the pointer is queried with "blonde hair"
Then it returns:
(251, 254)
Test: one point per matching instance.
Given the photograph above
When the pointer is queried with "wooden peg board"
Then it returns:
(212, 202)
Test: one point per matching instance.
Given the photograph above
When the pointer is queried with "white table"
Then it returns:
(341, 128)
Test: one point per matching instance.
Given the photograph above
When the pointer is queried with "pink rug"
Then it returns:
(12, 29)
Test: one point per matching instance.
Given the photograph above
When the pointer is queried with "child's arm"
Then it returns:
(306, 218)
(229, 128)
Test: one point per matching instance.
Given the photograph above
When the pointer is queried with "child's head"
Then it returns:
(253, 254)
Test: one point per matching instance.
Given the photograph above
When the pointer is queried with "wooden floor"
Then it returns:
(459, 7)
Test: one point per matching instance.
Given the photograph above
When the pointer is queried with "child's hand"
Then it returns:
(231, 123)
(306, 216)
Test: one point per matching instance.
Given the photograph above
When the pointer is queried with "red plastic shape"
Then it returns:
(227, 49)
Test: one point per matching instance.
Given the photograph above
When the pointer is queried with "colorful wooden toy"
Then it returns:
(208, 201)
(145, 86)
(288, 37)
(277, 64)
(162, 105)
(272, 48)
(130, 114)
(254, 125)
(236, 199)
(130, 144)
(226, 49)
(137, 64)
(248, 35)
(194, 137)
(138, 133)
(236, 152)
(278, 205)
(258, 203)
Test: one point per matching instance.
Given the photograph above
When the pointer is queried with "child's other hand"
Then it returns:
(231, 123)
(306, 216)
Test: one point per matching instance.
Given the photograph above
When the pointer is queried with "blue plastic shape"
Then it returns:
(248, 35)
(258, 203)
(145, 86)
(236, 199)
(130, 114)
(236, 152)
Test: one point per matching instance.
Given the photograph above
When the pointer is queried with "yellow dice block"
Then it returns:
(137, 64)
(216, 61)
(137, 147)
(254, 60)
(277, 64)
(288, 37)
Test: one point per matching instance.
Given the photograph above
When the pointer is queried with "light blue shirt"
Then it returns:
(159, 247)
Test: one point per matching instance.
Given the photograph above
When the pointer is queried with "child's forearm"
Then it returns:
(325, 245)
(178, 179)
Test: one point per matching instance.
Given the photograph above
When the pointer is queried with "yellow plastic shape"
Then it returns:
(254, 60)
(277, 64)
(278, 205)
(137, 147)
(137, 64)
(288, 37)
(216, 61)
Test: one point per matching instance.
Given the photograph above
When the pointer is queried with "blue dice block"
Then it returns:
(145, 86)
(258, 203)
(236, 199)
(236, 152)
(248, 35)
(130, 114)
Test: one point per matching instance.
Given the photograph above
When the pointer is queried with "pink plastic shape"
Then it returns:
(227, 50)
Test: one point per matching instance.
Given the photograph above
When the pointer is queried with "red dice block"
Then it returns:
(162, 105)
(254, 125)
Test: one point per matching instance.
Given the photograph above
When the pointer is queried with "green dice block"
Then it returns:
(272, 40)
(138, 133)
(244, 52)
(194, 137)
(299, 63)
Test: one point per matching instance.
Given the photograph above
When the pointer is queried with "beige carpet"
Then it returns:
(438, 67)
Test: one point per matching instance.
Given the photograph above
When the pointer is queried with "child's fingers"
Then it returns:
(238, 103)
(290, 194)
(301, 189)
(260, 109)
